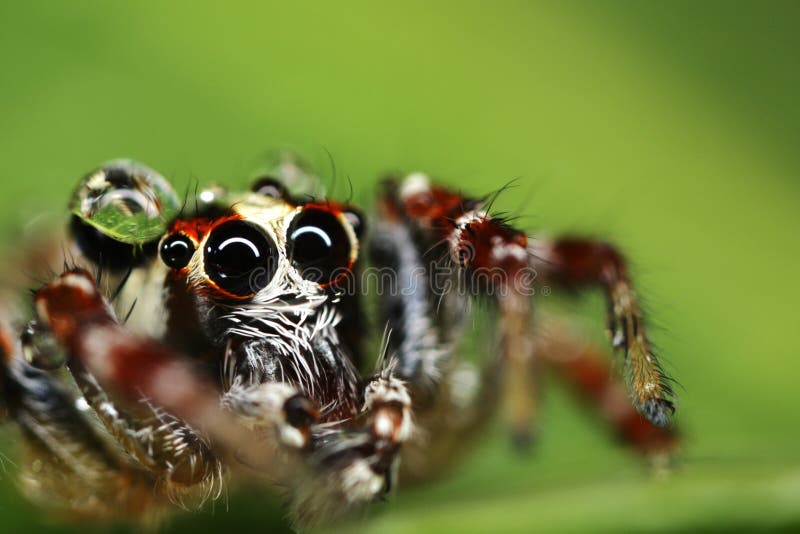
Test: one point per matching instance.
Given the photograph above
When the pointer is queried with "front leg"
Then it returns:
(587, 371)
(350, 464)
(68, 463)
(72, 310)
(329, 461)
(328, 467)
(577, 263)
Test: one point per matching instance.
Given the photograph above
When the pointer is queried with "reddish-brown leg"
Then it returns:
(329, 467)
(68, 465)
(586, 370)
(577, 263)
(428, 229)
(428, 235)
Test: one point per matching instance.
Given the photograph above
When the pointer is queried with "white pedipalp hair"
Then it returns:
(288, 328)
(287, 315)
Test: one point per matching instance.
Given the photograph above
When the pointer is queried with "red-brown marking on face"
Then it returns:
(331, 206)
(211, 290)
(194, 229)
(197, 228)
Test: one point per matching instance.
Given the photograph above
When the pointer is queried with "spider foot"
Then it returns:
(388, 404)
(275, 404)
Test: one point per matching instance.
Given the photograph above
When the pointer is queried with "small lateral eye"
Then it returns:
(239, 258)
(176, 251)
(319, 246)
(269, 187)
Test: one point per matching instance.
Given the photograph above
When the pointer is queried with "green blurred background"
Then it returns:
(672, 128)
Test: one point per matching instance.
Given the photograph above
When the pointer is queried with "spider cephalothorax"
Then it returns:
(260, 275)
(225, 337)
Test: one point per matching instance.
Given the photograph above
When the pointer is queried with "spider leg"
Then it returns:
(72, 310)
(328, 467)
(587, 371)
(424, 232)
(68, 464)
(416, 335)
(442, 252)
(577, 263)
(331, 458)
(350, 463)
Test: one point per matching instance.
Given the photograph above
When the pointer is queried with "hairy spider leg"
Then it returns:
(587, 371)
(100, 353)
(69, 464)
(576, 263)
(442, 251)
(334, 466)
(420, 227)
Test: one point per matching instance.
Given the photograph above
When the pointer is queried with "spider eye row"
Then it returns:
(241, 259)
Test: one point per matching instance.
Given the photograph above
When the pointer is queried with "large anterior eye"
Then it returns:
(239, 258)
(318, 245)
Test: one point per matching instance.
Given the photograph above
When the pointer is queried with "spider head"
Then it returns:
(241, 257)
(261, 246)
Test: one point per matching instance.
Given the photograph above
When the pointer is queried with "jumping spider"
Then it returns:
(185, 342)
